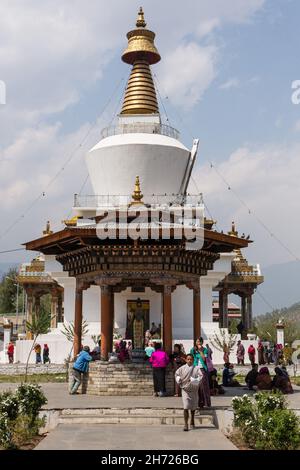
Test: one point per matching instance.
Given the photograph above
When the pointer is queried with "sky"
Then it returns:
(225, 77)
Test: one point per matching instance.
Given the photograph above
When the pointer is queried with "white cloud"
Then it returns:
(267, 180)
(187, 72)
(231, 83)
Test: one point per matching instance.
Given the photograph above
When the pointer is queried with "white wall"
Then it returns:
(91, 304)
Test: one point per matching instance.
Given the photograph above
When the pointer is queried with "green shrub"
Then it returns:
(30, 399)
(265, 422)
(19, 420)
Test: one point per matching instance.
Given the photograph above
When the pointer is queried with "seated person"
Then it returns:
(263, 380)
(228, 376)
(251, 377)
(122, 351)
(282, 382)
(215, 388)
(96, 352)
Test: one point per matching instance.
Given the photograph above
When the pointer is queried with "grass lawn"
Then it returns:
(33, 378)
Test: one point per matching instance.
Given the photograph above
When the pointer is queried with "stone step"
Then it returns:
(145, 416)
(147, 419)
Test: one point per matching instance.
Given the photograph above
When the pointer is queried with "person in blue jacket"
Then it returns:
(81, 366)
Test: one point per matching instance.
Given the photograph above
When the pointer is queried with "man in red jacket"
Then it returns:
(159, 360)
(10, 352)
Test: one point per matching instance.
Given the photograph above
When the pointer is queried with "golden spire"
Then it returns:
(140, 96)
(233, 232)
(48, 230)
(137, 195)
(140, 22)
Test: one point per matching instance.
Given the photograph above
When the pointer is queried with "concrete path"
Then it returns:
(59, 398)
(125, 437)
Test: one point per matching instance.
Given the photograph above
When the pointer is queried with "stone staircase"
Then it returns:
(135, 416)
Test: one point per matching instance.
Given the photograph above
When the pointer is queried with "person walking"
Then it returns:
(189, 377)
(200, 354)
(159, 360)
(251, 354)
(38, 350)
(80, 368)
(10, 352)
(260, 352)
(240, 354)
(46, 357)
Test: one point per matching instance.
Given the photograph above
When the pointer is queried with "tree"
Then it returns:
(224, 342)
(266, 324)
(8, 292)
(40, 325)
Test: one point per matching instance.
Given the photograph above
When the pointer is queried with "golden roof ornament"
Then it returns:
(48, 230)
(233, 232)
(70, 222)
(140, 22)
(137, 196)
(140, 96)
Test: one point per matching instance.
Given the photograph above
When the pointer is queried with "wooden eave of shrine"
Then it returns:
(71, 239)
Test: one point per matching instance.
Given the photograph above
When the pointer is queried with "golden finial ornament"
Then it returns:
(140, 22)
(140, 96)
(48, 230)
(233, 232)
(137, 196)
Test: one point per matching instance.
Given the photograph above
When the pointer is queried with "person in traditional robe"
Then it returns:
(200, 354)
(240, 353)
(189, 378)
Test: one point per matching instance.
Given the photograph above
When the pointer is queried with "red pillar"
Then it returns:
(196, 313)
(167, 319)
(106, 322)
(78, 319)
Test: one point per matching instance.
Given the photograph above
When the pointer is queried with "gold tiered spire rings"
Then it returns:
(137, 196)
(140, 96)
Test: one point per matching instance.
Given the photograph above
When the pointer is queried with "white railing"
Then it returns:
(140, 128)
(152, 200)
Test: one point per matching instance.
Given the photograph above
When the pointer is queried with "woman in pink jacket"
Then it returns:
(159, 360)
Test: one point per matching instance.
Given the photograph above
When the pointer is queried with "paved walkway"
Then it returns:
(125, 437)
(59, 398)
(132, 437)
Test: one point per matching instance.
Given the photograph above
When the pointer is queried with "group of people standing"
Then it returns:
(192, 375)
(265, 353)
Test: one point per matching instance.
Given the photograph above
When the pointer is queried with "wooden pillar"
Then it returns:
(106, 322)
(225, 310)
(249, 310)
(78, 319)
(196, 312)
(167, 319)
(54, 302)
(244, 315)
(37, 304)
(111, 321)
(59, 308)
(221, 308)
(29, 312)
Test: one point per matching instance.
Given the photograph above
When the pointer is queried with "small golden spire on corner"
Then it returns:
(233, 232)
(48, 230)
(137, 196)
(140, 22)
